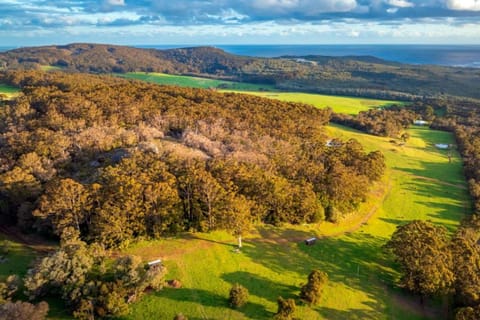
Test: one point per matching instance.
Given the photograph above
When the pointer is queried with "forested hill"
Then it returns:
(118, 159)
(362, 76)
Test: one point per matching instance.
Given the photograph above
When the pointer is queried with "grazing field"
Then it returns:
(9, 91)
(339, 104)
(275, 262)
(194, 82)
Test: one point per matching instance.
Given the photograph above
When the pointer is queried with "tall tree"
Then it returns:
(65, 203)
(421, 249)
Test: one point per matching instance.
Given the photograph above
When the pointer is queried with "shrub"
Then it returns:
(23, 311)
(238, 296)
(286, 308)
(8, 288)
(312, 291)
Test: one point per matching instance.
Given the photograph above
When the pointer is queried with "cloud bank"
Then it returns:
(127, 19)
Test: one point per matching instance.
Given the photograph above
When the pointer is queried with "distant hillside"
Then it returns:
(361, 76)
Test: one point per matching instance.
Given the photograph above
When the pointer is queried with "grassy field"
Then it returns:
(51, 68)
(339, 104)
(275, 262)
(9, 91)
(194, 82)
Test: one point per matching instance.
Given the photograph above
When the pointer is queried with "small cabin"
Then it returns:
(311, 241)
(154, 264)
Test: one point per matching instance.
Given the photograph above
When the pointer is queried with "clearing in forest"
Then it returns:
(9, 91)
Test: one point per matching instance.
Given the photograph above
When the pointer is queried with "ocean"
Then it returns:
(446, 55)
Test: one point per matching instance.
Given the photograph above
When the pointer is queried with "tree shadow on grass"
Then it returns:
(261, 286)
(350, 314)
(207, 298)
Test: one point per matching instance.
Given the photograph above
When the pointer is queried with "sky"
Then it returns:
(210, 22)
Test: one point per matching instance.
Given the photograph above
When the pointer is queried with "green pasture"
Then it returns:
(339, 104)
(420, 183)
(51, 68)
(9, 91)
(15, 258)
(194, 82)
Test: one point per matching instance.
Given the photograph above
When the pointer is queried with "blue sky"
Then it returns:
(41, 22)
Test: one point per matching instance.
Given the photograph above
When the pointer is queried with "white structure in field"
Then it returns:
(420, 122)
(442, 146)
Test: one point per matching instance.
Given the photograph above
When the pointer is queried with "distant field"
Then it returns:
(275, 262)
(339, 104)
(194, 82)
(51, 68)
(9, 91)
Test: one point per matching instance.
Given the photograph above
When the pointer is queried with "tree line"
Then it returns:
(380, 122)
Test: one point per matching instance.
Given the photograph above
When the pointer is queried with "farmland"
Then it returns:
(194, 82)
(275, 262)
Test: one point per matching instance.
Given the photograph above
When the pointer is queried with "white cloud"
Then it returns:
(400, 3)
(466, 5)
(307, 7)
(115, 2)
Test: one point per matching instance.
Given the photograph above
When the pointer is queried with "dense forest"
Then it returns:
(359, 76)
(389, 122)
(117, 160)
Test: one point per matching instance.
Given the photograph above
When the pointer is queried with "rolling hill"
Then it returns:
(360, 76)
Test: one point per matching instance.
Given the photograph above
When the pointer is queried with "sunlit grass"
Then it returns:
(339, 104)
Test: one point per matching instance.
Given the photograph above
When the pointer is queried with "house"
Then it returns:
(311, 241)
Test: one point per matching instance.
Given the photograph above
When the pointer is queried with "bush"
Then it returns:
(23, 311)
(286, 308)
(332, 214)
(312, 291)
(238, 296)
(180, 316)
(8, 288)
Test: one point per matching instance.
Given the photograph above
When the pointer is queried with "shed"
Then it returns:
(154, 264)
(311, 241)
(443, 146)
